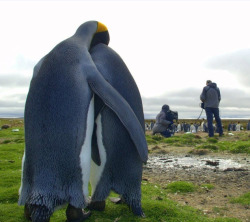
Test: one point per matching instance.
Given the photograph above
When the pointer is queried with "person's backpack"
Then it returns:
(202, 105)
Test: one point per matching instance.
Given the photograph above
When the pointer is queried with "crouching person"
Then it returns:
(162, 124)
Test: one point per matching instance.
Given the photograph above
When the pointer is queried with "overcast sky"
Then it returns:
(170, 47)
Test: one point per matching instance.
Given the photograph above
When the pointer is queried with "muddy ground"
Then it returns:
(229, 173)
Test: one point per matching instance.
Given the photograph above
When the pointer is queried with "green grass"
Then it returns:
(234, 144)
(244, 199)
(177, 140)
(233, 147)
(207, 186)
(155, 202)
(181, 187)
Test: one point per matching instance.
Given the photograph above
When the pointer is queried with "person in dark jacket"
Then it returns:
(248, 125)
(211, 97)
(161, 123)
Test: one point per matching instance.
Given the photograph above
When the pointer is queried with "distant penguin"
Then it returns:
(117, 164)
(59, 123)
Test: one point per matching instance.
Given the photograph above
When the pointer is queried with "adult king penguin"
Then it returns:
(116, 163)
(59, 122)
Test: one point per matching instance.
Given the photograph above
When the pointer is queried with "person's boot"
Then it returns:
(74, 214)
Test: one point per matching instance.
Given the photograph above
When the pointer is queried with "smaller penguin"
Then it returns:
(116, 162)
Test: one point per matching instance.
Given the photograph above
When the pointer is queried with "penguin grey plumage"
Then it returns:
(116, 163)
(59, 122)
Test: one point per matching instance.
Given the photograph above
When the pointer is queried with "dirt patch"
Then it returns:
(228, 180)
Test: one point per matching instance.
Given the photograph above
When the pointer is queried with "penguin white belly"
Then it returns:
(96, 171)
(85, 155)
(21, 187)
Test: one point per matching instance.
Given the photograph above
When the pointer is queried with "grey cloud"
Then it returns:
(186, 97)
(23, 63)
(12, 105)
(13, 101)
(13, 112)
(185, 101)
(234, 98)
(236, 62)
(14, 80)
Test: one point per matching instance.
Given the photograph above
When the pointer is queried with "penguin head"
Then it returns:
(101, 35)
(93, 33)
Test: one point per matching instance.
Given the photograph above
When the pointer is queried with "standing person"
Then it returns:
(248, 125)
(151, 125)
(161, 123)
(234, 127)
(211, 97)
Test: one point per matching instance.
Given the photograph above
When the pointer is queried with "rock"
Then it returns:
(15, 130)
(235, 169)
(168, 161)
(116, 200)
(159, 198)
(212, 163)
(5, 126)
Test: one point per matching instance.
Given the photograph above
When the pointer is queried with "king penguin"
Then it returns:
(59, 123)
(116, 163)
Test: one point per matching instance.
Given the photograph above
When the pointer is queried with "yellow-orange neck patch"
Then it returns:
(101, 27)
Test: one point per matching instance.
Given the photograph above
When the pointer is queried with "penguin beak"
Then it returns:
(101, 28)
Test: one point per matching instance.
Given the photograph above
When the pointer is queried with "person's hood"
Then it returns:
(213, 85)
(165, 108)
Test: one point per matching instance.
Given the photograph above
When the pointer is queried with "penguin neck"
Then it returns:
(85, 34)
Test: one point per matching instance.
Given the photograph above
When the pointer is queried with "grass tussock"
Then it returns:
(239, 143)
(181, 187)
(207, 186)
(243, 199)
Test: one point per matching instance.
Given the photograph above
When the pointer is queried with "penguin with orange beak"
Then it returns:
(59, 123)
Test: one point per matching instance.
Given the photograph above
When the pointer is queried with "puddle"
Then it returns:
(167, 163)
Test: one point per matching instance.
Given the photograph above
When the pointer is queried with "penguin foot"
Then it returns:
(97, 205)
(37, 213)
(76, 214)
(27, 213)
(138, 211)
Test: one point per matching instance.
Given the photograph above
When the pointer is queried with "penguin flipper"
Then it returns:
(122, 109)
